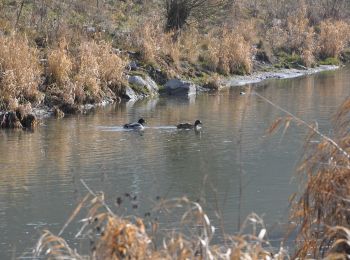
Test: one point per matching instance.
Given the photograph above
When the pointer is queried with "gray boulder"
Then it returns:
(133, 65)
(129, 94)
(147, 84)
(180, 87)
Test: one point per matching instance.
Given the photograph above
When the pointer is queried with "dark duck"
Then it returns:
(196, 126)
(139, 125)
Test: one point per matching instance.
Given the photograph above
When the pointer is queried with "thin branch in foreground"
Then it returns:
(98, 198)
(302, 122)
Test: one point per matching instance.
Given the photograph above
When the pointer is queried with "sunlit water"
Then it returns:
(231, 165)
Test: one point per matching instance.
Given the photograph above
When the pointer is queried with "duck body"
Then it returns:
(136, 126)
(197, 125)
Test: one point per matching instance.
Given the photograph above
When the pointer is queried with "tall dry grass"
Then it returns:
(156, 46)
(19, 71)
(60, 65)
(111, 65)
(190, 41)
(225, 50)
(297, 29)
(295, 35)
(96, 68)
(276, 36)
(228, 53)
(309, 48)
(84, 73)
(146, 39)
(333, 38)
(114, 237)
(323, 205)
(87, 77)
(320, 210)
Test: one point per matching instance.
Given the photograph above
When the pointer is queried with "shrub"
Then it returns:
(296, 36)
(145, 39)
(333, 38)
(228, 52)
(189, 41)
(297, 30)
(111, 66)
(330, 61)
(97, 67)
(179, 12)
(323, 203)
(19, 71)
(59, 65)
(276, 37)
(87, 77)
(235, 54)
(214, 82)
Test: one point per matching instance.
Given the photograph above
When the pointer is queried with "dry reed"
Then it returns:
(113, 237)
(60, 65)
(190, 42)
(324, 202)
(228, 53)
(295, 36)
(334, 37)
(96, 68)
(321, 209)
(235, 54)
(145, 38)
(19, 71)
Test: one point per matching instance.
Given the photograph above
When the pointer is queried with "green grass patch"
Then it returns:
(329, 61)
(201, 80)
(288, 61)
(139, 89)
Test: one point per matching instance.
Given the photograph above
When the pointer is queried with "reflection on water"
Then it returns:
(230, 165)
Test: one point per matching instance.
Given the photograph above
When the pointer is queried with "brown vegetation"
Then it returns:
(74, 53)
(59, 65)
(180, 12)
(322, 208)
(85, 77)
(334, 38)
(19, 70)
(113, 237)
(226, 51)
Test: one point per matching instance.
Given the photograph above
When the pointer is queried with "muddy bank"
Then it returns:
(18, 120)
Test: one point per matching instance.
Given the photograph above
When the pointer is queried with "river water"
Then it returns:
(232, 165)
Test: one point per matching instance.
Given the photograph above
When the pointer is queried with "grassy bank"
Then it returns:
(66, 54)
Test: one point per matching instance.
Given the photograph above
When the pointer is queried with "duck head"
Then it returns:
(197, 122)
(141, 121)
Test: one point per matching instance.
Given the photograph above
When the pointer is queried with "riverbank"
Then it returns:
(69, 60)
(141, 86)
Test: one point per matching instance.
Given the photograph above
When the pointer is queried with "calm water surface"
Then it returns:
(231, 165)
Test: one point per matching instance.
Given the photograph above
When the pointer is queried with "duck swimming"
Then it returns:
(137, 126)
(196, 126)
